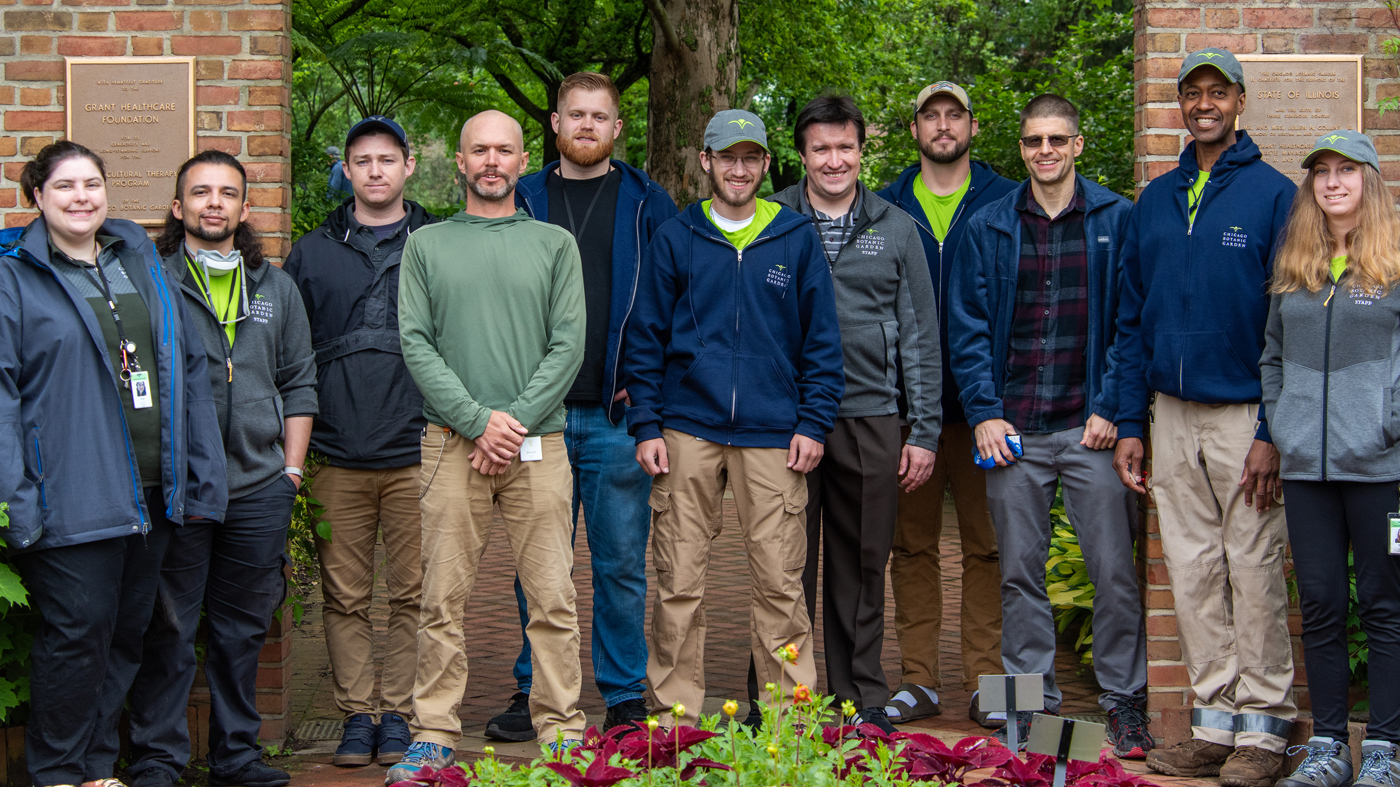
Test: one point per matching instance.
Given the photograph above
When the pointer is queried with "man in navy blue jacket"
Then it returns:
(1031, 312)
(1196, 265)
(941, 193)
(735, 370)
(612, 210)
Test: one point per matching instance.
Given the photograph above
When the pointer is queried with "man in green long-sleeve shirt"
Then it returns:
(491, 318)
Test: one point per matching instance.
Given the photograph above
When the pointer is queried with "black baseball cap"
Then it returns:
(375, 123)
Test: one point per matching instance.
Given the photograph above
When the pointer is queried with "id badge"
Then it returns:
(140, 390)
(531, 450)
(1394, 533)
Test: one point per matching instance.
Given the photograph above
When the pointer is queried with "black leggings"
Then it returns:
(1324, 519)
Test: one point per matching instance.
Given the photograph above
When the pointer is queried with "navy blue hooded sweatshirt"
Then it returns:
(1199, 293)
(736, 347)
(642, 207)
(986, 187)
(66, 464)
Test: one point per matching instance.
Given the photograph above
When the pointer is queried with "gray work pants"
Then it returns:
(1104, 514)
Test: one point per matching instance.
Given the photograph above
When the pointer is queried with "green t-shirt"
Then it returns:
(940, 210)
(1193, 194)
(221, 292)
(1339, 266)
(761, 219)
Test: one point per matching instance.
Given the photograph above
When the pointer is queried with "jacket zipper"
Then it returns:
(631, 301)
(228, 364)
(175, 352)
(39, 458)
(1190, 226)
(738, 283)
(1326, 372)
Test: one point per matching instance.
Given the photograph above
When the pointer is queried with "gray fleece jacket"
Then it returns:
(888, 316)
(1331, 379)
(267, 375)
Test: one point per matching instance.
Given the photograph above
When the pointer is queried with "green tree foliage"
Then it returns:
(17, 624)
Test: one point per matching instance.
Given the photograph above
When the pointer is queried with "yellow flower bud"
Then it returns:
(773, 750)
(731, 707)
(678, 710)
(489, 750)
(652, 722)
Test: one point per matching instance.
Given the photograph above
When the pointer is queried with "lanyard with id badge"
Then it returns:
(131, 375)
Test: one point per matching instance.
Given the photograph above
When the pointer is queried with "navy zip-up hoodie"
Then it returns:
(67, 468)
(986, 187)
(982, 301)
(736, 347)
(1195, 300)
(642, 207)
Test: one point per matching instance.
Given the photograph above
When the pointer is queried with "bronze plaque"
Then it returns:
(137, 113)
(1294, 99)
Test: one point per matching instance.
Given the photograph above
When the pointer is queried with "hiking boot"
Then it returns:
(1190, 759)
(255, 774)
(514, 725)
(356, 742)
(627, 712)
(875, 715)
(1378, 765)
(1127, 728)
(391, 739)
(1251, 766)
(420, 755)
(1327, 764)
(991, 720)
(912, 702)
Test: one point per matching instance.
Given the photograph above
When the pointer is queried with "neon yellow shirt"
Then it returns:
(1193, 194)
(938, 209)
(761, 219)
(221, 293)
(1339, 266)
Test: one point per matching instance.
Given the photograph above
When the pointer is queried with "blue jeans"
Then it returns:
(613, 490)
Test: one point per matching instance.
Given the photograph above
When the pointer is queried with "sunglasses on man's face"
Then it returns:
(1056, 140)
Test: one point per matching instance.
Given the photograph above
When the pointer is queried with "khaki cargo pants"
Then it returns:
(1226, 566)
(686, 517)
(457, 503)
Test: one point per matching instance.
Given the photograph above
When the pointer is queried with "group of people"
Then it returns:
(572, 342)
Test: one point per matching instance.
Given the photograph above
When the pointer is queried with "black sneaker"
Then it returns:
(1023, 729)
(874, 715)
(255, 774)
(392, 739)
(356, 742)
(514, 725)
(1127, 728)
(151, 777)
(626, 712)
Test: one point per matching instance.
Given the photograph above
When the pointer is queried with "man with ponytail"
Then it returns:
(262, 370)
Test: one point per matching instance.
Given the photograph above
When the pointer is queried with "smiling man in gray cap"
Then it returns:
(735, 371)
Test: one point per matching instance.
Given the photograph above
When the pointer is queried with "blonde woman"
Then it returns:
(1331, 380)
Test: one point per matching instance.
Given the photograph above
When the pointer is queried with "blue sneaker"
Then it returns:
(419, 755)
(392, 739)
(561, 749)
(356, 742)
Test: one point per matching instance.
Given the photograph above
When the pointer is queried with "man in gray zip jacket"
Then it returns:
(250, 318)
(888, 316)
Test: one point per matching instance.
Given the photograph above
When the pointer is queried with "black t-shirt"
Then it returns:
(592, 227)
(383, 231)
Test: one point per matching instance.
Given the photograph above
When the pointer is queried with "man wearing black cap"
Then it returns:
(348, 273)
(1197, 259)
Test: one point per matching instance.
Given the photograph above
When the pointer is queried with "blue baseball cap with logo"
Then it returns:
(1352, 144)
(729, 127)
(1221, 60)
(375, 123)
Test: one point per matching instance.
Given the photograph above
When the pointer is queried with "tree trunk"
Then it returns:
(694, 74)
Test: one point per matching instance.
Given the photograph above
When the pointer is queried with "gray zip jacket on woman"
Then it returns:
(1331, 372)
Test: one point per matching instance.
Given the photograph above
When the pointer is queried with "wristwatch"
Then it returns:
(296, 471)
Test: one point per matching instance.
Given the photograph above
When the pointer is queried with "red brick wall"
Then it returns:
(1165, 31)
(241, 94)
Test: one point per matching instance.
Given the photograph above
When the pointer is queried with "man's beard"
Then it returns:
(193, 227)
(720, 192)
(474, 183)
(584, 155)
(945, 158)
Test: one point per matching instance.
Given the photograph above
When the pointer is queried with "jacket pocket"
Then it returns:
(766, 395)
(1392, 417)
(704, 391)
(34, 468)
(794, 536)
(866, 358)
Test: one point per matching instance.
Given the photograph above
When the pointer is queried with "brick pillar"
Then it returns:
(1165, 30)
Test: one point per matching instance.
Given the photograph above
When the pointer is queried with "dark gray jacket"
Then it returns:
(1331, 379)
(888, 315)
(269, 374)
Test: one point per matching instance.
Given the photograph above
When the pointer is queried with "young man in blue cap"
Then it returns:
(612, 210)
(735, 372)
(1197, 256)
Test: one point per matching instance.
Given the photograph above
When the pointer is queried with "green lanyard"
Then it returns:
(207, 291)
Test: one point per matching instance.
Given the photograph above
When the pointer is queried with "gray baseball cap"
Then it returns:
(1352, 144)
(1219, 59)
(729, 127)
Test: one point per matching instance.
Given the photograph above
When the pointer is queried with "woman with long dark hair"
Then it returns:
(1331, 377)
(108, 440)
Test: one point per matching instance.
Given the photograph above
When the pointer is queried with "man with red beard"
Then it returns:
(612, 210)
(734, 368)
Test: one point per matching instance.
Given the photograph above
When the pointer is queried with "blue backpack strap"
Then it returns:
(9, 240)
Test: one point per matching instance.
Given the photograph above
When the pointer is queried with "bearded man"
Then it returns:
(735, 372)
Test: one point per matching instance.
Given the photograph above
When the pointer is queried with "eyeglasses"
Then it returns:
(1056, 140)
(729, 161)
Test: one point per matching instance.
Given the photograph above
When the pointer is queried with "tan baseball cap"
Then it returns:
(942, 88)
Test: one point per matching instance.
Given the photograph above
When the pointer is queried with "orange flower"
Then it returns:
(788, 653)
(801, 694)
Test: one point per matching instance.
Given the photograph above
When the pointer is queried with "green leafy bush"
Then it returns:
(17, 624)
(307, 524)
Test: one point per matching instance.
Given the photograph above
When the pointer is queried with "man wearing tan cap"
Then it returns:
(941, 193)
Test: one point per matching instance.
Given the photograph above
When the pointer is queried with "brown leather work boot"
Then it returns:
(1251, 766)
(1190, 759)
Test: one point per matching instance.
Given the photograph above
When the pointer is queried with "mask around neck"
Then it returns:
(217, 263)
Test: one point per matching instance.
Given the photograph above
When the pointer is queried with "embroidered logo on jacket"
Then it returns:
(1235, 238)
(778, 276)
(260, 309)
(869, 243)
